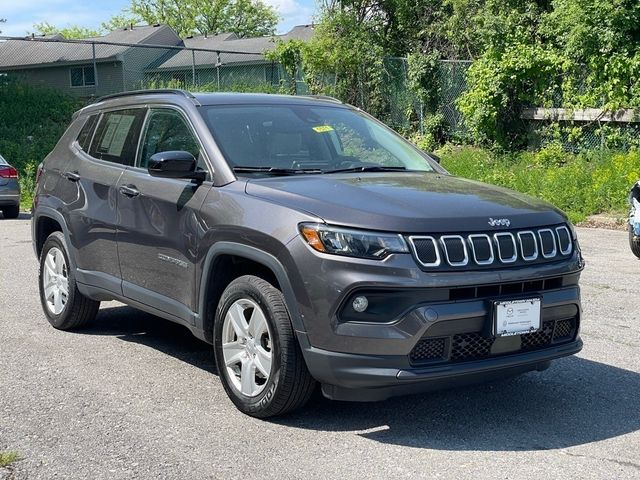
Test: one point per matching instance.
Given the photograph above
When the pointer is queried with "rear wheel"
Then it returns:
(63, 304)
(11, 212)
(634, 242)
(258, 357)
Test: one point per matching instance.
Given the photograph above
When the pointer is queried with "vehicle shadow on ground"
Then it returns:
(132, 325)
(576, 401)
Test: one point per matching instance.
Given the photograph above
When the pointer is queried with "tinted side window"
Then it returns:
(85, 135)
(167, 130)
(116, 138)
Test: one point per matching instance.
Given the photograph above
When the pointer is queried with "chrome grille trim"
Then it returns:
(490, 260)
(443, 240)
(529, 258)
(415, 253)
(489, 249)
(570, 248)
(553, 238)
(512, 259)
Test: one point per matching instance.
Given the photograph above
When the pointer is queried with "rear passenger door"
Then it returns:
(105, 147)
(159, 226)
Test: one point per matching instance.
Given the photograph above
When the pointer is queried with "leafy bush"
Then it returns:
(32, 119)
(580, 184)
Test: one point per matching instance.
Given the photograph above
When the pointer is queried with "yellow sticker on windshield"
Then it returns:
(323, 128)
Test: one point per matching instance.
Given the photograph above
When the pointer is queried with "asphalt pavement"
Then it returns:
(134, 396)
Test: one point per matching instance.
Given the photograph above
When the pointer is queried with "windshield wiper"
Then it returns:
(368, 168)
(275, 170)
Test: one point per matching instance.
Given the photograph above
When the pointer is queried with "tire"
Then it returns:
(253, 322)
(634, 242)
(64, 312)
(11, 212)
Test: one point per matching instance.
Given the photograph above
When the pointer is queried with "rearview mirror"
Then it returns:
(174, 164)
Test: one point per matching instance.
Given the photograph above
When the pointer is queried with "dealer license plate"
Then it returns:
(515, 317)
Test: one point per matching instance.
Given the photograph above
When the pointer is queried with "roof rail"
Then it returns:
(322, 97)
(174, 91)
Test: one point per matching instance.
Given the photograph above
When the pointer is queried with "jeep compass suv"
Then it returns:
(305, 241)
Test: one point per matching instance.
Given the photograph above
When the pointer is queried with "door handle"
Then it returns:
(71, 176)
(129, 191)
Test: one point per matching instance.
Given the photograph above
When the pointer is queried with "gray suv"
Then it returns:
(307, 242)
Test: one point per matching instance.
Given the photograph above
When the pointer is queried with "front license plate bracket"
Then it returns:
(517, 317)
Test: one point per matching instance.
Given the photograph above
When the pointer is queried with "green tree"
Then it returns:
(70, 32)
(245, 18)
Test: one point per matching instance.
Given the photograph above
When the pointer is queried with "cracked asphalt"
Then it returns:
(134, 396)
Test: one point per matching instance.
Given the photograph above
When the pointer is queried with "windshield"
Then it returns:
(287, 139)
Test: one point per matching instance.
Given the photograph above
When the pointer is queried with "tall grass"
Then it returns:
(580, 184)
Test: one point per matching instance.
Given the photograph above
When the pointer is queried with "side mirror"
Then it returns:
(174, 164)
(433, 157)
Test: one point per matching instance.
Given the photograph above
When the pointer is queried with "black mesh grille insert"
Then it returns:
(506, 247)
(481, 248)
(548, 243)
(454, 249)
(429, 349)
(565, 329)
(475, 346)
(528, 245)
(426, 250)
(541, 338)
(466, 346)
(564, 240)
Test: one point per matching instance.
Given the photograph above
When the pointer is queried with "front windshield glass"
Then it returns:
(307, 139)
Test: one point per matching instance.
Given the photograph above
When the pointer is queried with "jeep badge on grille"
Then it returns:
(499, 222)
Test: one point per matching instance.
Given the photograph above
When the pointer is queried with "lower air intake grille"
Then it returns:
(474, 346)
(429, 349)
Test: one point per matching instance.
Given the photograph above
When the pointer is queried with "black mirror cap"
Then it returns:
(433, 157)
(173, 164)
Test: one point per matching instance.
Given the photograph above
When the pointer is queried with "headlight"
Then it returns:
(352, 243)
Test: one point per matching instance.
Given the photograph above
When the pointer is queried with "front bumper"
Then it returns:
(367, 378)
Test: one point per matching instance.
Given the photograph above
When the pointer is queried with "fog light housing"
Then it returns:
(360, 303)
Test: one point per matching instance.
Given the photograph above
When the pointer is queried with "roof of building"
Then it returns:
(229, 42)
(52, 50)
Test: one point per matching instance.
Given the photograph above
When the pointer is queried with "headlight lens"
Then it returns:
(352, 243)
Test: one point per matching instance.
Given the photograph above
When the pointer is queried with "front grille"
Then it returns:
(470, 345)
(492, 250)
(429, 349)
(476, 346)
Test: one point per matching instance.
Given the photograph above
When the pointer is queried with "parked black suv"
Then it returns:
(306, 241)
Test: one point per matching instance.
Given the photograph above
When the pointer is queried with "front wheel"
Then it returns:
(258, 357)
(65, 307)
(634, 242)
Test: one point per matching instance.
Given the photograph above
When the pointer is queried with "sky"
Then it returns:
(21, 15)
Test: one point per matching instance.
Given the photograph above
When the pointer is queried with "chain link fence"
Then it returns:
(87, 69)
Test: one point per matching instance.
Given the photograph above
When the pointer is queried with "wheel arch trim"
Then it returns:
(53, 214)
(259, 256)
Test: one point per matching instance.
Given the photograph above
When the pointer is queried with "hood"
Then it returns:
(405, 202)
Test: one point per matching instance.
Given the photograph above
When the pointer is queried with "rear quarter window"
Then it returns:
(116, 138)
(86, 133)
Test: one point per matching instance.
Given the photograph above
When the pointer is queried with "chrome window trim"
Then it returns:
(515, 247)
(462, 263)
(473, 250)
(568, 250)
(553, 237)
(533, 257)
(415, 252)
